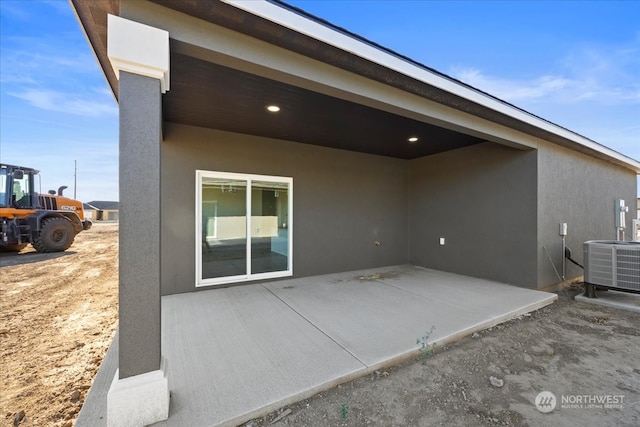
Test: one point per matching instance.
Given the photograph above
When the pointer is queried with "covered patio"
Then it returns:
(383, 161)
(237, 353)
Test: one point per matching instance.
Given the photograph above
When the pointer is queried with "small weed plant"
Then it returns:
(426, 350)
(344, 411)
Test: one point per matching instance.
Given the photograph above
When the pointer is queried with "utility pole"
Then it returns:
(75, 174)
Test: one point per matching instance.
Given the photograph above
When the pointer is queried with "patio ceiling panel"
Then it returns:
(210, 95)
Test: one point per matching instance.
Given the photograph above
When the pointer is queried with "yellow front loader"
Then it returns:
(48, 222)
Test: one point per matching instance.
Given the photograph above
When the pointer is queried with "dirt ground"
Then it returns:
(587, 356)
(59, 314)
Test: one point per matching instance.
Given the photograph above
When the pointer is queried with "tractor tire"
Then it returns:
(56, 235)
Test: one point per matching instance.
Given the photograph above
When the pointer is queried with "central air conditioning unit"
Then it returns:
(612, 264)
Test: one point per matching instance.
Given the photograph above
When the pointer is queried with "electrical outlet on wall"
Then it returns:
(442, 241)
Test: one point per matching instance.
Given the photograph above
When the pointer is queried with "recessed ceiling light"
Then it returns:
(273, 108)
(413, 139)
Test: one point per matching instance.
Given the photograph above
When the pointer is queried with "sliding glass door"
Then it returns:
(244, 224)
(224, 227)
(269, 226)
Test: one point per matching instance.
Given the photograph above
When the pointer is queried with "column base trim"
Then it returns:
(139, 400)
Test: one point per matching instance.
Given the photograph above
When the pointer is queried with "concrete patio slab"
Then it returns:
(386, 310)
(238, 353)
(239, 349)
(454, 289)
(615, 299)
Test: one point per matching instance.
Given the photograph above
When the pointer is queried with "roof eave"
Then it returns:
(93, 34)
(320, 31)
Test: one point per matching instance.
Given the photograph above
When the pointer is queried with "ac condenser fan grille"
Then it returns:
(613, 264)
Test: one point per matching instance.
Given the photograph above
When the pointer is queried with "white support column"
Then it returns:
(139, 54)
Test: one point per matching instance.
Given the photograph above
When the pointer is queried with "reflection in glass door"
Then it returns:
(269, 226)
(224, 227)
(245, 227)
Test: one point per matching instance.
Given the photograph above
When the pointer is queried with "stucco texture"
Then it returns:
(343, 201)
(498, 208)
(581, 191)
(482, 201)
(139, 295)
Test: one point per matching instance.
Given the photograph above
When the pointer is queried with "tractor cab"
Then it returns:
(17, 185)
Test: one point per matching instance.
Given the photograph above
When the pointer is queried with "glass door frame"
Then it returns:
(248, 178)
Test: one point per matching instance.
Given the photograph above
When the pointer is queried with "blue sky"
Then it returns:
(574, 63)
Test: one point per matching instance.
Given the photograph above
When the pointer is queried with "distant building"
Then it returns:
(101, 210)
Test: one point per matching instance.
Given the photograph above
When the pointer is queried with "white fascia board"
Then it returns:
(138, 48)
(296, 22)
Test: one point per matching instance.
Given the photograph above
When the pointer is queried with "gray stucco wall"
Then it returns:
(343, 201)
(496, 207)
(581, 191)
(482, 200)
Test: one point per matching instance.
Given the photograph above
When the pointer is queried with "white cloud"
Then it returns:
(594, 91)
(17, 10)
(564, 89)
(514, 90)
(67, 102)
(605, 76)
(61, 7)
(17, 78)
(13, 10)
(27, 60)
